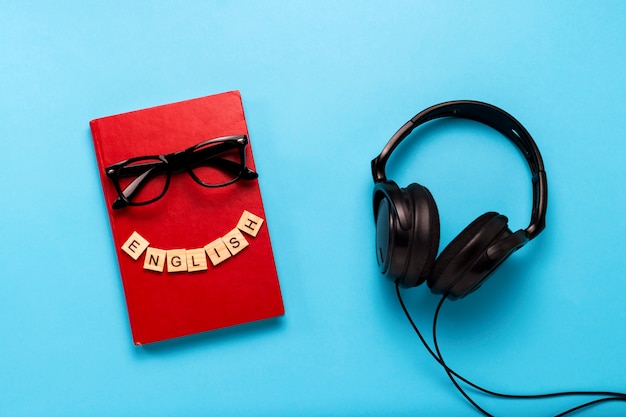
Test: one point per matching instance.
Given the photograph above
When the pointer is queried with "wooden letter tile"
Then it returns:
(155, 259)
(196, 260)
(217, 251)
(249, 223)
(135, 245)
(235, 242)
(176, 260)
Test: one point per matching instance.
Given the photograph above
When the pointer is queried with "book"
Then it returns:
(198, 258)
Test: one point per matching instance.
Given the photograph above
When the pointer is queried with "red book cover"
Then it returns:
(197, 258)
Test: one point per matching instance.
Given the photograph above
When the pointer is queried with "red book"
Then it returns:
(198, 258)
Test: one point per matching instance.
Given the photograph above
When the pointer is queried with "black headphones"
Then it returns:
(407, 219)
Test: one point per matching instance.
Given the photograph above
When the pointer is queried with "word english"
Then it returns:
(191, 260)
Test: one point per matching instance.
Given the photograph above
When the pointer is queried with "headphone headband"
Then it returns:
(495, 118)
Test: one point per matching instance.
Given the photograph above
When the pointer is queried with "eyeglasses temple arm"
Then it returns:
(131, 189)
(134, 170)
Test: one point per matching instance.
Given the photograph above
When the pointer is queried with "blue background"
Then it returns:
(324, 84)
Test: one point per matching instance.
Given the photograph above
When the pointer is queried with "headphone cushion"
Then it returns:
(424, 242)
(463, 251)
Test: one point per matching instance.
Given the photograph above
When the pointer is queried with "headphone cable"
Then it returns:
(608, 395)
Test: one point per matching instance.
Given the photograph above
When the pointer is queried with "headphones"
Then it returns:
(407, 219)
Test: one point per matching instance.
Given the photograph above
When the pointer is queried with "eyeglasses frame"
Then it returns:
(176, 162)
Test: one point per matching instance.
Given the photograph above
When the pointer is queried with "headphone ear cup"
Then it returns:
(424, 240)
(407, 232)
(393, 228)
(464, 264)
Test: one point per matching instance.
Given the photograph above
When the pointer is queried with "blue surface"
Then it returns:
(324, 84)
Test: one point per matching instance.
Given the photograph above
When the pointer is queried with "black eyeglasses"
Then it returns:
(214, 163)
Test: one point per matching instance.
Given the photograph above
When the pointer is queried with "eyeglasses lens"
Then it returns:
(216, 164)
(143, 181)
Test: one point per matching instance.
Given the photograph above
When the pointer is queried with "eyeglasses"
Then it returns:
(213, 163)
